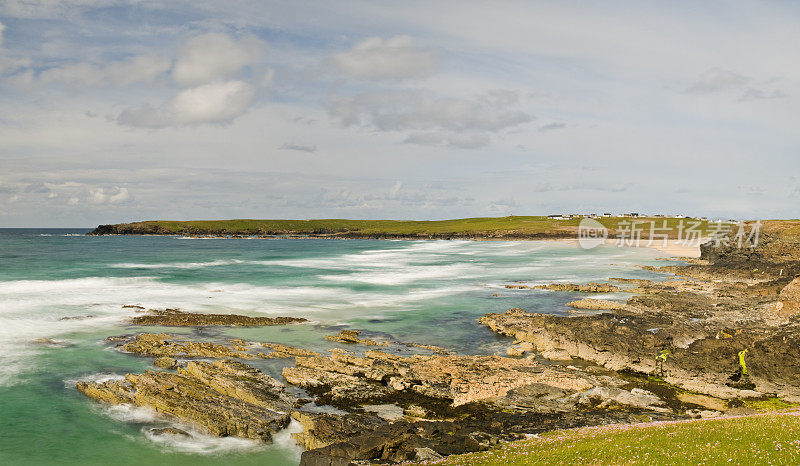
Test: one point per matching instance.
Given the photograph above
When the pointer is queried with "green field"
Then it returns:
(770, 438)
(511, 226)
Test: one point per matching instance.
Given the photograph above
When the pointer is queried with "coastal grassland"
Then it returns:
(511, 226)
(767, 438)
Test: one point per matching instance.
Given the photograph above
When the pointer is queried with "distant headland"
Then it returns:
(510, 227)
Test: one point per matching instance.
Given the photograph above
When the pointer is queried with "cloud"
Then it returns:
(452, 140)
(398, 185)
(211, 103)
(136, 69)
(391, 59)
(715, 80)
(760, 94)
(9, 64)
(213, 57)
(719, 80)
(551, 127)
(113, 195)
(422, 110)
(299, 148)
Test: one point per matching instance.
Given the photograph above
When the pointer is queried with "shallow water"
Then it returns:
(70, 288)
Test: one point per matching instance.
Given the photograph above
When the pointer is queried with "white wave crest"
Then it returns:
(178, 265)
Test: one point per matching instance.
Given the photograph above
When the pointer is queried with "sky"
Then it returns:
(125, 110)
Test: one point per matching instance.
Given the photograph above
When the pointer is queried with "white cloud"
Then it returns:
(378, 59)
(422, 110)
(717, 80)
(137, 69)
(210, 103)
(214, 56)
(114, 195)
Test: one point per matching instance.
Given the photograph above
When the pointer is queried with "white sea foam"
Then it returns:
(200, 443)
(130, 413)
(178, 265)
(392, 275)
(99, 378)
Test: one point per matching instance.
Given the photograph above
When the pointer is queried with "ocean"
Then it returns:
(61, 285)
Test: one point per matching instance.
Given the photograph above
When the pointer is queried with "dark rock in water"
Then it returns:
(352, 336)
(285, 351)
(323, 429)
(177, 318)
(49, 342)
(169, 431)
(587, 288)
(159, 345)
(223, 398)
(596, 304)
(165, 362)
(400, 441)
(132, 306)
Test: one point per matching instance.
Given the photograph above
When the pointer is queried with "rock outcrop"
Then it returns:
(158, 345)
(223, 398)
(596, 304)
(587, 288)
(347, 378)
(177, 318)
(352, 337)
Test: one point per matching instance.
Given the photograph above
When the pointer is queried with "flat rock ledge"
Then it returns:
(591, 287)
(177, 318)
(596, 304)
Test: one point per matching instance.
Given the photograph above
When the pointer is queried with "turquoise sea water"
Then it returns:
(61, 285)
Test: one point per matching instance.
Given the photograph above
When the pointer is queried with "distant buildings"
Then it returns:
(629, 215)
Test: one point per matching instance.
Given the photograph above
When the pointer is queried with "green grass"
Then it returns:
(482, 226)
(769, 438)
(768, 404)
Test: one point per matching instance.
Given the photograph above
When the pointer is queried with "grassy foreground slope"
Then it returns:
(489, 227)
(770, 438)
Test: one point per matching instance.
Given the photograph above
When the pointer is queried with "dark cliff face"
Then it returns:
(104, 230)
(141, 228)
(772, 247)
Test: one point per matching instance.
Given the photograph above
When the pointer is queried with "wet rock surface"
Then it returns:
(160, 345)
(586, 288)
(177, 318)
(352, 336)
(225, 398)
(690, 330)
(596, 304)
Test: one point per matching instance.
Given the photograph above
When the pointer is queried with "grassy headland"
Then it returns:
(511, 227)
(770, 438)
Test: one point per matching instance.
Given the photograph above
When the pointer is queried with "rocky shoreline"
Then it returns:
(710, 338)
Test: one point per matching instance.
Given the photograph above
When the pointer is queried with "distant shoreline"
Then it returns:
(512, 228)
(487, 228)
